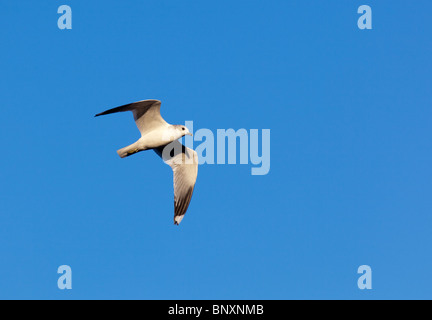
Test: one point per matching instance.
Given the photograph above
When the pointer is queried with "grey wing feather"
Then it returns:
(146, 114)
(184, 163)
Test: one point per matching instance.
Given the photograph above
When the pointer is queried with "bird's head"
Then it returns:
(175, 132)
(183, 130)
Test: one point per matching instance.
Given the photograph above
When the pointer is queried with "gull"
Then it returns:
(162, 137)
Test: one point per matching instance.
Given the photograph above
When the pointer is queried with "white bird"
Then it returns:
(162, 137)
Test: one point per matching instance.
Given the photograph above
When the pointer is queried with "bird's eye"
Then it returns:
(183, 129)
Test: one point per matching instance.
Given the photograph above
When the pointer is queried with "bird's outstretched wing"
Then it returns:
(146, 114)
(184, 163)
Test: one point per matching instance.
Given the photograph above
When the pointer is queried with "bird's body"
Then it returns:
(162, 137)
(149, 140)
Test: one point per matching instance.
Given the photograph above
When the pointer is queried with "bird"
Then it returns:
(162, 137)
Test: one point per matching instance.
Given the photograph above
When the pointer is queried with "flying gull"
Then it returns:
(163, 137)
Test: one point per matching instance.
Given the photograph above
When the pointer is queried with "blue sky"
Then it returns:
(350, 180)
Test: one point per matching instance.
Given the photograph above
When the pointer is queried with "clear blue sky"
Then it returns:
(350, 180)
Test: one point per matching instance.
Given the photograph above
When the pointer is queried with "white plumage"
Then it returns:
(162, 137)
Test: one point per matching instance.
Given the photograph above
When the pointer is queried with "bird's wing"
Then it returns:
(184, 163)
(146, 114)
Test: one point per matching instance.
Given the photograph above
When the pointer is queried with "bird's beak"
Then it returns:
(189, 134)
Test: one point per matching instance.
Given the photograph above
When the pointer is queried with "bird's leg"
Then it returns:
(132, 152)
(129, 150)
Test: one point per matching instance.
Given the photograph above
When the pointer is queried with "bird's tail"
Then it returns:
(129, 150)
